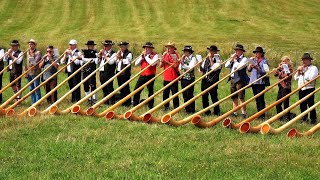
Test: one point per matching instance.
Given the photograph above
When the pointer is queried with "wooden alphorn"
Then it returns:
(15, 60)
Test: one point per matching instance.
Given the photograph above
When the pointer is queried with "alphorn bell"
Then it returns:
(76, 109)
(197, 121)
(129, 114)
(245, 125)
(15, 60)
(295, 133)
(91, 111)
(110, 113)
(6, 103)
(266, 128)
(148, 117)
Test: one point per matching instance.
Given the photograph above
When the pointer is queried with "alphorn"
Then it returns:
(197, 121)
(54, 109)
(129, 114)
(6, 103)
(266, 128)
(32, 110)
(22, 75)
(148, 117)
(295, 133)
(245, 125)
(69, 92)
(110, 114)
(91, 111)
(76, 109)
(189, 118)
(15, 60)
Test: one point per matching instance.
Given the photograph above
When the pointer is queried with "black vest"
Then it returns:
(213, 76)
(1, 63)
(16, 68)
(109, 69)
(92, 65)
(73, 66)
(127, 72)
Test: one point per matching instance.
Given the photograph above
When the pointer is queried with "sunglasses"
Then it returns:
(49, 51)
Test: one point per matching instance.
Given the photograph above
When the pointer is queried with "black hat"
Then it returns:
(123, 43)
(90, 42)
(213, 48)
(306, 56)
(258, 49)
(50, 47)
(148, 44)
(239, 47)
(14, 43)
(107, 42)
(188, 48)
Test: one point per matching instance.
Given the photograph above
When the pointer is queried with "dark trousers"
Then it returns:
(281, 93)
(104, 77)
(1, 88)
(48, 89)
(141, 81)
(307, 104)
(174, 89)
(260, 103)
(90, 84)
(205, 84)
(76, 79)
(126, 90)
(187, 95)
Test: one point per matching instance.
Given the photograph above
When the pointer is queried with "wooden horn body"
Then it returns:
(295, 133)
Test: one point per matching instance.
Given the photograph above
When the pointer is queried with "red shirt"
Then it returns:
(150, 70)
(171, 73)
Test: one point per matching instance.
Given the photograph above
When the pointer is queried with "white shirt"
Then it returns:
(110, 60)
(127, 60)
(1, 53)
(216, 65)
(17, 62)
(85, 60)
(147, 58)
(192, 63)
(70, 57)
(310, 72)
(242, 64)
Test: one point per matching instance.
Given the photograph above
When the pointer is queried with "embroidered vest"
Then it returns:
(190, 74)
(89, 68)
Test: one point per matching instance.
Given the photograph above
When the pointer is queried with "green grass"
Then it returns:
(80, 147)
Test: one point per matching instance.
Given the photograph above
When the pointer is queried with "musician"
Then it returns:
(188, 61)
(238, 79)
(305, 73)
(1, 68)
(91, 55)
(33, 57)
(16, 68)
(170, 57)
(148, 57)
(72, 53)
(257, 69)
(284, 70)
(124, 58)
(107, 70)
(212, 61)
(49, 61)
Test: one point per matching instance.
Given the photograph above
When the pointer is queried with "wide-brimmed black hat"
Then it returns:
(90, 42)
(123, 43)
(188, 48)
(239, 47)
(107, 43)
(50, 47)
(14, 43)
(213, 48)
(306, 56)
(148, 44)
(258, 49)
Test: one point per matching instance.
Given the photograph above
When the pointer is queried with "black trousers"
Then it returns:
(1, 88)
(104, 77)
(90, 84)
(76, 79)
(187, 95)
(307, 104)
(260, 102)
(141, 81)
(126, 90)
(174, 89)
(205, 84)
(281, 93)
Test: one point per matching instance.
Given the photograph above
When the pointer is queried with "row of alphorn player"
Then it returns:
(111, 62)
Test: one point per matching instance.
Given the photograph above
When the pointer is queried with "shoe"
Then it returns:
(208, 112)
(217, 114)
(244, 116)
(166, 108)
(313, 121)
(234, 115)
(94, 101)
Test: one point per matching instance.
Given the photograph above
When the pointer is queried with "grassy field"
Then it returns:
(79, 147)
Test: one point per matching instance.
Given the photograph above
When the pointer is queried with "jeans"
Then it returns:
(35, 96)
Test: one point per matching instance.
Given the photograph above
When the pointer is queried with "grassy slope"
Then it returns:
(72, 147)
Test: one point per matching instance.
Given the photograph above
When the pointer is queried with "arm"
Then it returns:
(191, 64)
(20, 58)
(138, 62)
(128, 59)
(313, 73)
(153, 60)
